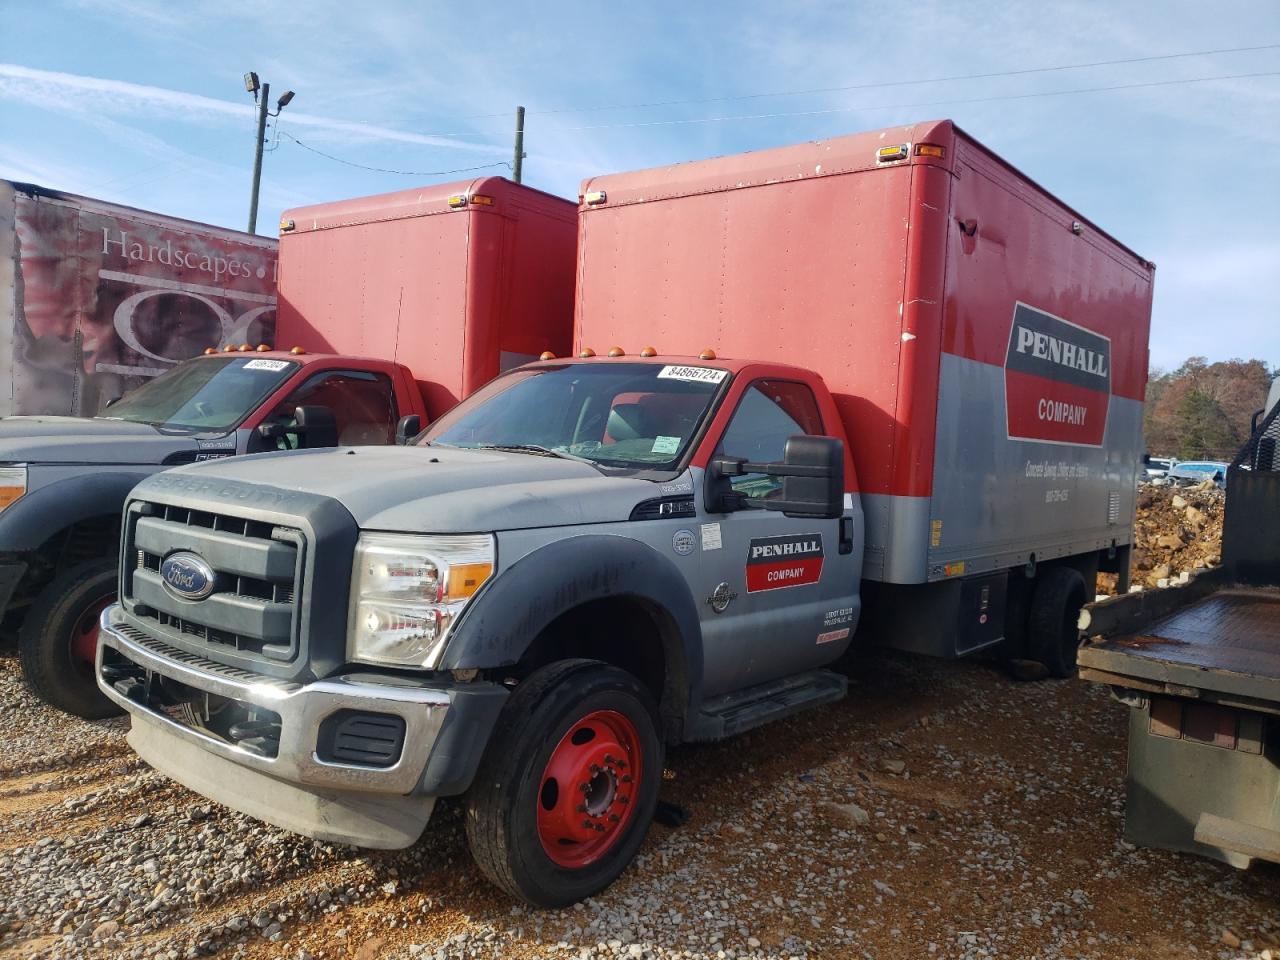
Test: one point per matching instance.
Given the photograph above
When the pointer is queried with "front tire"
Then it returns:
(568, 785)
(58, 641)
(1053, 636)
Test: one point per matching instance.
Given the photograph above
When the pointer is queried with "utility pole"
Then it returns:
(251, 85)
(517, 164)
(257, 158)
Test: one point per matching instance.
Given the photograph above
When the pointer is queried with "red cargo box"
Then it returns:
(986, 345)
(457, 281)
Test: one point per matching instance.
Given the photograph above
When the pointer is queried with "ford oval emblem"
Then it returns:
(187, 576)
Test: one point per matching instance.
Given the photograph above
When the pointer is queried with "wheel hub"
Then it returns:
(588, 789)
(83, 642)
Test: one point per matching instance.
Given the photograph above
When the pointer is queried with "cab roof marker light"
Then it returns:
(264, 348)
(210, 350)
(889, 154)
(297, 351)
(586, 353)
(648, 352)
(229, 348)
(481, 200)
(593, 198)
(617, 352)
(707, 354)
(546, 355)
(930, 150)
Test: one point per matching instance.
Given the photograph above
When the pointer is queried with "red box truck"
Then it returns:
(885, 366)
(392, 308)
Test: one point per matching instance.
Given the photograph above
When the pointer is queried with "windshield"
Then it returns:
(631, 415)
(214, 394)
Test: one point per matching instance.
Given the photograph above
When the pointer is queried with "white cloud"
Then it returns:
(78, 93)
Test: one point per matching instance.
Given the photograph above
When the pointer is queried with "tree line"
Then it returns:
(1202, 410)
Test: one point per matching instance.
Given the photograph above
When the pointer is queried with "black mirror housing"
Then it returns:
(816, 488)
(408, 427)
(315, 427)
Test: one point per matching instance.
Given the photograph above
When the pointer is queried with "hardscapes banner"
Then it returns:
(104, 297)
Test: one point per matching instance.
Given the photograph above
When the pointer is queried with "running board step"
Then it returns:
(743, 710)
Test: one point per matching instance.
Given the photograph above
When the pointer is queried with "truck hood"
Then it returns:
(444, 490)
(40, 440)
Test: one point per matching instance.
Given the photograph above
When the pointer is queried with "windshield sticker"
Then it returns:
(692, 374)
(275, 366)
(683, 542)
(777, 562)
(711, 536)
(666, 445)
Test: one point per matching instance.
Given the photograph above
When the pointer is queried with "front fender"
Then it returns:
(28, 522)
(524, 599)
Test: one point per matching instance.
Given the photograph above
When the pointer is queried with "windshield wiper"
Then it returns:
(537, 450)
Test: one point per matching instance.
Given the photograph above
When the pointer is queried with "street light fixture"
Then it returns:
(251, 85)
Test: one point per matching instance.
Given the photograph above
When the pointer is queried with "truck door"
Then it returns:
(779, 595)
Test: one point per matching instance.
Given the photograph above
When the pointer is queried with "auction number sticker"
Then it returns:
(275, 366)
(692, 374)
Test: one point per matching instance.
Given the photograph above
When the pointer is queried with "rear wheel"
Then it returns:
(568, 785)
(1053, 634)
(58, 641)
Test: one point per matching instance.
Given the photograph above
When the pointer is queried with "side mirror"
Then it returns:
(812, 472)
(408, 427)
(814, 485)
(1146, 459)
(315, 427)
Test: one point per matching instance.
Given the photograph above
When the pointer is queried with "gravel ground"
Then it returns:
(940, 810)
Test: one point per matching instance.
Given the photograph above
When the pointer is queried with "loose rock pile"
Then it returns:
(1177, 530)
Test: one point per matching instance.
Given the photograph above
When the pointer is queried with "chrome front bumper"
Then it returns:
(301, 708)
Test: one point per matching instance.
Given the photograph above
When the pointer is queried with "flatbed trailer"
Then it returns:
(1199, 667)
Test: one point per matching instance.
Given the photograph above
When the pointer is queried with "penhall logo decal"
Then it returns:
(777, 562)
(1057, 380)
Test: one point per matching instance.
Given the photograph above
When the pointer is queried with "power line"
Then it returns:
(403, 173)
(921, 103)
(880, 84)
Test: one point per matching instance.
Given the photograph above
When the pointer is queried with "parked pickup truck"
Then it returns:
(593, 558)
(1199, 668)
(392, 308)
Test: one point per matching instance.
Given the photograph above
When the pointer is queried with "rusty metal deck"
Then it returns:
(1226, 646)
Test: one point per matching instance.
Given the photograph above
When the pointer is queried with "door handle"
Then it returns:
(846, 535)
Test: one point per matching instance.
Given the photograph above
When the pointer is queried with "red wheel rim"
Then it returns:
(588, 792)
(84, 635)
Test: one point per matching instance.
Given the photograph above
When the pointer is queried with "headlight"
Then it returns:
(406, 591)
(13, 484)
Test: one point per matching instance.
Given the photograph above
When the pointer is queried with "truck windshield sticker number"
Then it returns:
(275, 366)
(692, 374)
(774, 563)
(666, 445)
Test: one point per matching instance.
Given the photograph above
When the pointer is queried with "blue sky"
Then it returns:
(142, 102)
